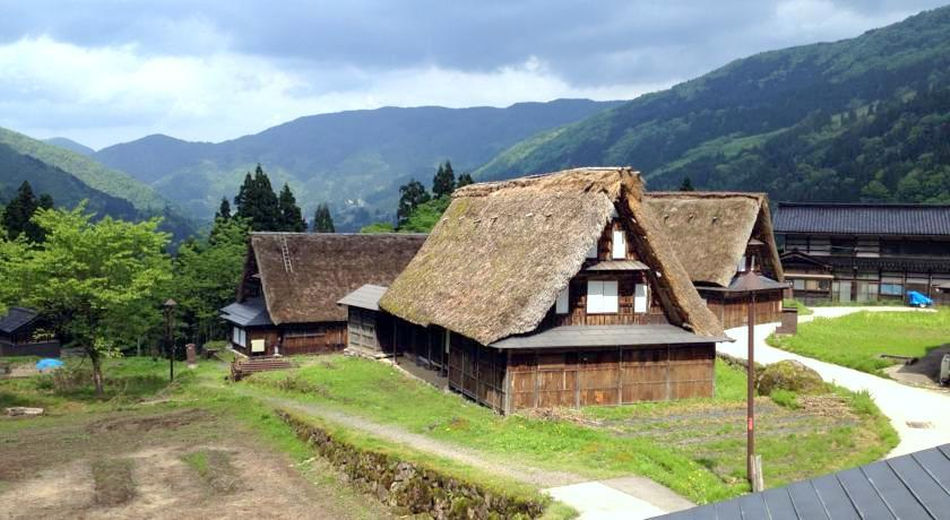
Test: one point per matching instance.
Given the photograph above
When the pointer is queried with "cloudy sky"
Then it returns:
(103, 72)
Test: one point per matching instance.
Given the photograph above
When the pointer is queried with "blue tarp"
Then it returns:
(48, 364)
(918, 300)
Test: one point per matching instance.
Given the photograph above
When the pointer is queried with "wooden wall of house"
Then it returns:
(733, 310)
(313, 338)
(477, 372)
(609, 376)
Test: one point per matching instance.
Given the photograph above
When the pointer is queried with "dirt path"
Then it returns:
(538, 477)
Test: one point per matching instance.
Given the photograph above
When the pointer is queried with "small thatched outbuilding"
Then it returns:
(551, 290)
(717, 236)
(286, 301)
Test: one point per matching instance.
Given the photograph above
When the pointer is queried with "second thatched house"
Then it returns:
(286, 300)
(718, 235)
(552, 290)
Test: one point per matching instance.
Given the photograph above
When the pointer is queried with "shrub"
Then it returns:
(788, 375)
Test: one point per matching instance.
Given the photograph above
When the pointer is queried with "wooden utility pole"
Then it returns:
(750, 398)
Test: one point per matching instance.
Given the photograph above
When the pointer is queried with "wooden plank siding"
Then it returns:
(612, 376)
(733, 309)
(315, 338)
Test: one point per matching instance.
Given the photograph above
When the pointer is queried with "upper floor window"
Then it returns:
(563, 298)
(602, 297)
(618, 245)
(741, 266)
(640, 298)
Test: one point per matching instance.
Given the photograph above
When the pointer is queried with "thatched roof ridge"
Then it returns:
(712, 230)
(321, 268)
(493, 265)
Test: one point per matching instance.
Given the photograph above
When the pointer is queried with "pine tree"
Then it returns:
(410, 196)
(687, 185)
(17, 215)
(257, 202)
(444, 181)
(322, 220)
(290, 218)
(464, 180)
(224, 211)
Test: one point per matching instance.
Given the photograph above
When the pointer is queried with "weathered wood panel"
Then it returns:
(733, 310)
(610, 376)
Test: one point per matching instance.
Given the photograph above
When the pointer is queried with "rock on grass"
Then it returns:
(788, 375)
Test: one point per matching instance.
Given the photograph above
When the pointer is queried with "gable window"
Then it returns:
(602, 297)
(619, 245)
(563, 298)
(640, 298)
(592, 252)
(741, 266)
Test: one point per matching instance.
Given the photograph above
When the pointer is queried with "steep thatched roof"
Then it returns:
(712, 230)
(320, 268)
(494, 263)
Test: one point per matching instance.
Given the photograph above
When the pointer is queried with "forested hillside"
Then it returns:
(70, 177)
(70, 145)
(354, 160)
(860, 119)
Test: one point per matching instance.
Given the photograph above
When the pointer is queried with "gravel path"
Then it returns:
(919, 415)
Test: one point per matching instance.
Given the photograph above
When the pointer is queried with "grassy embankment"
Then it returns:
(858, 340)
(695, 447)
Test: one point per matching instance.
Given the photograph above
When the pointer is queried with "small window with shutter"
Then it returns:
(563, 297)
(619, 245)
(640, 298)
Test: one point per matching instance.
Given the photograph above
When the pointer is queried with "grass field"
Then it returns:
(858, 340)
(694, 447)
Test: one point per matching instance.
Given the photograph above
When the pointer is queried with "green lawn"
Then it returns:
(803, 310)
(694, 447)
(858, 340)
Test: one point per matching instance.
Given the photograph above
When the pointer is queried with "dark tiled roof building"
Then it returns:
(865, 252)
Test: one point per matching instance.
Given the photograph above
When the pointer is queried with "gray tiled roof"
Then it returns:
(15, 318)
(858, 219)
(605, 336)
(910, 486)
(366, 297)
(249, 313)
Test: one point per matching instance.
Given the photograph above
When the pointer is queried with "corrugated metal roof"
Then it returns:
(619, 265)
(15, 318)
(863, 219)
(916, 485)
(251, 312)
(366, 297)
(605, 336)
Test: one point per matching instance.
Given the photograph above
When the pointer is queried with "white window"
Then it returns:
(562, 300)
(640, 298)
(602, 297)
(740, 267)
(619, 247)
(239, 337)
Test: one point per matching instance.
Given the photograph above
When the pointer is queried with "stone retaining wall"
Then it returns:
(410, 487)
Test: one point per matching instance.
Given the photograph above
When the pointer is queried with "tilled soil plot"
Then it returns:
(174, 465)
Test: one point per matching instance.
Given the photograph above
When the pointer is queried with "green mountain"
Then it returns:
(354, 160)
(70, 145)
(865, 118)
(70, 177)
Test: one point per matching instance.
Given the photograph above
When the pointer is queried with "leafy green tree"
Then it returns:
(224, 210)
(410, 196)
(425, 216)
(444, 181)
(687, 185)
(17, 216)
(322, 220)
(95, 281)
(205, 275)
(464, 180)
(378, 227)
(257, 203)
(290, 217)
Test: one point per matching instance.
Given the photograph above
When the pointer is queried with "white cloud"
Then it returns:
(100, 95)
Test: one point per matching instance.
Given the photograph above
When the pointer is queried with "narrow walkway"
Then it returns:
(631, 498)
(919, 415)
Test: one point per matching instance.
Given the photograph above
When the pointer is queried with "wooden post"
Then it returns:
(750, 388)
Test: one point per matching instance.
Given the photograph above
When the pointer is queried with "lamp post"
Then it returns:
(751, 283)
(169, 311)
